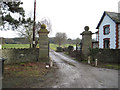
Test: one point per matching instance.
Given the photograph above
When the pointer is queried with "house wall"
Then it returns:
(112, 35)
(119, 35)
(0, 43)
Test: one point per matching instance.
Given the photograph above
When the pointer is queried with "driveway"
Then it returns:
(73, 74)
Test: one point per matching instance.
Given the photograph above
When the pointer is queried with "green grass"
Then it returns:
(113, 66)
(15, 46)
(54, 46)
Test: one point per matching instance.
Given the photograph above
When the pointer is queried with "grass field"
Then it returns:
(52, 46)
(15, 46)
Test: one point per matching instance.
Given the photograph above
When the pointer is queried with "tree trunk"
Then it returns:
(59, 43)
(30, 45)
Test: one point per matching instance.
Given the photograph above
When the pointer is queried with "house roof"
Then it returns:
(113, 15)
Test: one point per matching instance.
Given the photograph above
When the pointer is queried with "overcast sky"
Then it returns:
(69, 16)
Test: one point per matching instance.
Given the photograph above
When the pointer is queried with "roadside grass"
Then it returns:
(103, 65)
(111, 66)
(25, 69)
(24, 74)
(99, 65)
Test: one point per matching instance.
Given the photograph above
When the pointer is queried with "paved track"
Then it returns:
(72, 74)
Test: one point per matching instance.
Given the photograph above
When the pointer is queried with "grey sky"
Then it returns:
(69, 16)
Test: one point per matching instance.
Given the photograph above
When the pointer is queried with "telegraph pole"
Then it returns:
(34, 24)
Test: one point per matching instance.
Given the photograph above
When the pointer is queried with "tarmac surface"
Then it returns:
(73, 74)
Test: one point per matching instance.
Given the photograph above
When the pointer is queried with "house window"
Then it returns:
(106, 29)
(106, 43)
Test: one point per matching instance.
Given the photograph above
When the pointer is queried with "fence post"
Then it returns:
(88, 59)
(96, 62)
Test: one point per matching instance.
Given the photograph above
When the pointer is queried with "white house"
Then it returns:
(0, 43)
(109, 30)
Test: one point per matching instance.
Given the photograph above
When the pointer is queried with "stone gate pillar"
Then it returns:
(43, 43)
(86, 41)
(0, 63)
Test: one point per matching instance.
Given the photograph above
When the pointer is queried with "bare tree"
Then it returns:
(26, 31)
(60, 38)
(47, 22)
(78, 40)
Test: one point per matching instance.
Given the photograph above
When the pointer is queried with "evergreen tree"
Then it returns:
(12, 15)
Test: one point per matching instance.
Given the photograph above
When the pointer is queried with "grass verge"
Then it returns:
(103, 65)
(24, 74)
(100, 64)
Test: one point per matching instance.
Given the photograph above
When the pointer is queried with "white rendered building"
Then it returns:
(109, 30)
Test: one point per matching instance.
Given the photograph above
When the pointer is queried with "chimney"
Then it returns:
(119, 9)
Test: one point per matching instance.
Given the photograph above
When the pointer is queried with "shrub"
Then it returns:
(59, 49)
(93, 52)
(70, 48)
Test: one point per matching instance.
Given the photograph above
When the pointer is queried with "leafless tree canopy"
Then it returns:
(47, 22)
(60, 38)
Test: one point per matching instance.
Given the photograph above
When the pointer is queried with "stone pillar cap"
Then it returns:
(43, 26)
(86, 32)
(86, 28)
(43, 29)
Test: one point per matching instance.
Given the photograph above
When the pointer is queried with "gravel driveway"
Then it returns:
(72, 74)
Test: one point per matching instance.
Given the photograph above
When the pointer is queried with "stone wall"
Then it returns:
(20, 55)
(106, 55)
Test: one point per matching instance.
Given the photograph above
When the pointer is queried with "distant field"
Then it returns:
(15, 46)
(52, 46)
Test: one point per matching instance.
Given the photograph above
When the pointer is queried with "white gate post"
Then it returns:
(96, 62)
(88, 59)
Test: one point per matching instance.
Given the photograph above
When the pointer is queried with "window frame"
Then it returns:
(104, 29)
(104, 42)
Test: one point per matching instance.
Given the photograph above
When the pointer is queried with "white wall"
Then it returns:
(119, 35)
(0, 46)
(107, 21)
(0, 43)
